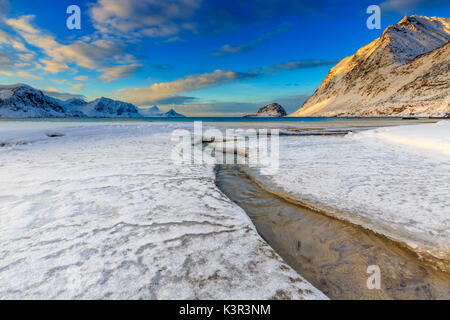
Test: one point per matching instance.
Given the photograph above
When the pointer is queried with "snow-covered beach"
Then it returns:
(102, 213)
(395, 181)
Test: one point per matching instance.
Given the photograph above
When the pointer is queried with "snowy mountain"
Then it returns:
(23, 101)
(156, 112)
(173, 114)
(152, 112)
(405, 72)
(106, 108)
(74, 102)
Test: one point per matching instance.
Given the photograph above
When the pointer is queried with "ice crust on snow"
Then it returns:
(422, 138)
(103, 213)
(395, 181)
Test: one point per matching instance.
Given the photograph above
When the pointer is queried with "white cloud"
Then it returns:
(14, 42)
(117, 72)
(59, 81)
(159, 91)
(63, 95)
(26, 56)
(249, 46)
(6, 73)
(4, 37)
(300, 64)
(4, 59)
(97, 54)
(78, 86)
(81, 78)
(152, 18)
(23, 24)
(401, 6)
(25, 74)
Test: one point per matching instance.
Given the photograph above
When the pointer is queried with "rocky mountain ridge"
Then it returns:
(405, 72)
(270, 110)
(23, 101)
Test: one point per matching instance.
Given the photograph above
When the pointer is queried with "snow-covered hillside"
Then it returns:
(173, 114)
(23, 101)
(405, 72)
(156, 112)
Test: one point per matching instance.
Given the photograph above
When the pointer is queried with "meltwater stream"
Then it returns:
(331, 254)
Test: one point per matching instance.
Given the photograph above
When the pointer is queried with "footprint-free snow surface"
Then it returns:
(99, 211)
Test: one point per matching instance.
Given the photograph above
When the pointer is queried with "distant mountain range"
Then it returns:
(23, 101)
(155, 112)
(405, 72)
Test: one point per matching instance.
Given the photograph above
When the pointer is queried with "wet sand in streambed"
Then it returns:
(331, 254)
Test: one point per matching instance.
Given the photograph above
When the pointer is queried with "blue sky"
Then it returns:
(201, 57)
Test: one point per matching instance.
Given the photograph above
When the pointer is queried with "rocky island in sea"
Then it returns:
(270, 110)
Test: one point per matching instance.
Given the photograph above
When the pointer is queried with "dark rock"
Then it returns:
(271, 110)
